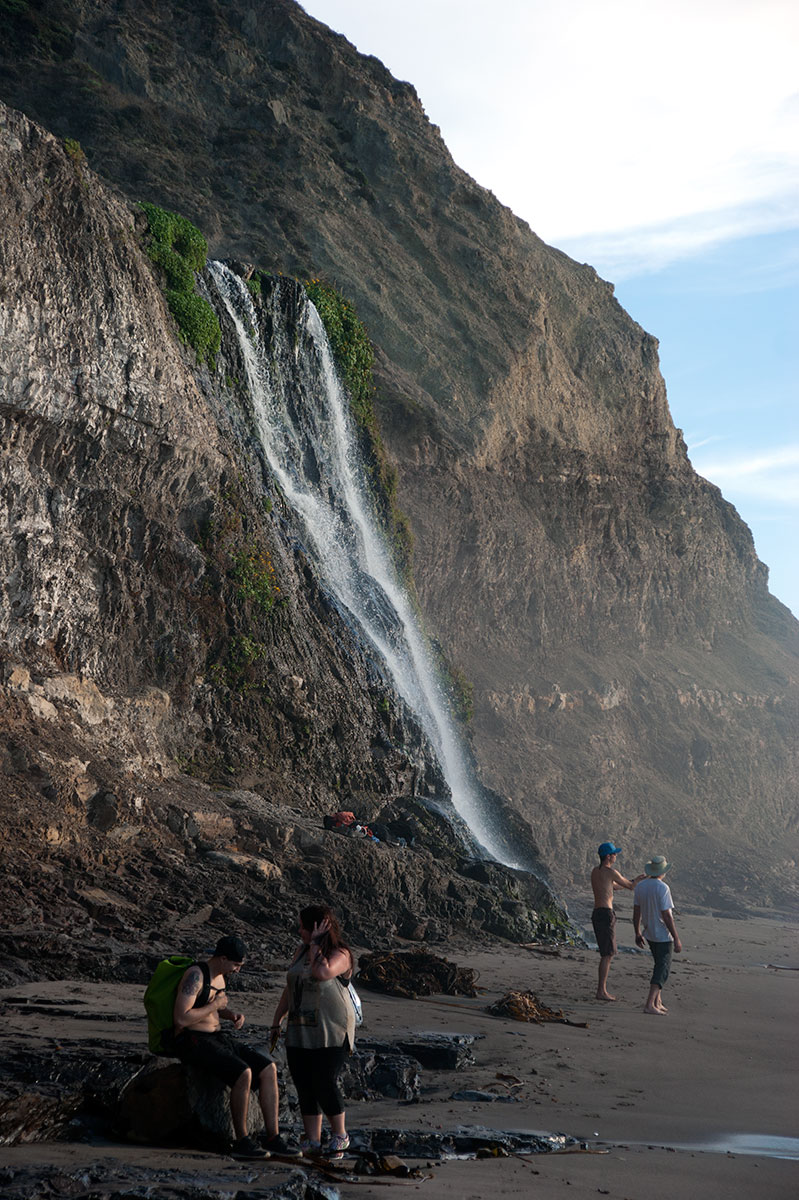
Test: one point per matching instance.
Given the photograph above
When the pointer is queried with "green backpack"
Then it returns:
(159, 999)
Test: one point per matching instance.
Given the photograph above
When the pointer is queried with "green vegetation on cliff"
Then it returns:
(75, 151)
(179, 249)
(461, 695)
(254, 573)
(242, 591)
(351, 348)
(354, 358)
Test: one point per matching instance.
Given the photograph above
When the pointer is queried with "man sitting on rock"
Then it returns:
(199, 1041)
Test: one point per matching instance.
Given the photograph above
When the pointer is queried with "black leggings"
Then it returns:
(315, 1074)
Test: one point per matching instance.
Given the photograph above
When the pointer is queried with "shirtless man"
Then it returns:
(199, 1041)
(605, 880)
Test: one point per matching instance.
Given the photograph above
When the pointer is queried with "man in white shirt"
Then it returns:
(652, 911)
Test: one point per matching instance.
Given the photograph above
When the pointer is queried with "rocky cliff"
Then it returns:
(182, 701)
(633, 677)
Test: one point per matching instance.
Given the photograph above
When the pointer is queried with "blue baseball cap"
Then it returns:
(608, 848)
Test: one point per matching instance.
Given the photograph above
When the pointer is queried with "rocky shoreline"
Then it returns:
(627, 1104)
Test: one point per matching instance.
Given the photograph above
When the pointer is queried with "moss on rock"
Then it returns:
(179, 249)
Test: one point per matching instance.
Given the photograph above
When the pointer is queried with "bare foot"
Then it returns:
(654, 1012)
(604, 996)
(662, 1008)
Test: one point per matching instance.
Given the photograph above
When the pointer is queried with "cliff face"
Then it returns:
(633, 677)
(168, 746)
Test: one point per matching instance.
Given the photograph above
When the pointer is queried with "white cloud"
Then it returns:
(706, 441)
(648, 131)
(627, 114)
(770, 475)
(645, 249)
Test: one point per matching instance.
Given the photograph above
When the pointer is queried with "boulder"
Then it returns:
(435, 1051)
(172, 1103)
(380, 1070)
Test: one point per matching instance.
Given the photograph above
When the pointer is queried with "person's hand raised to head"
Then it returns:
(319, 931)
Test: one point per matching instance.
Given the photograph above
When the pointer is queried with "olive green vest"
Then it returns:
(320, 1010)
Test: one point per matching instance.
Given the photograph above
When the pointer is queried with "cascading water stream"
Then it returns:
(305, 428)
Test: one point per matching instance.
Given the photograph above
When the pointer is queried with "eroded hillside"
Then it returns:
(633, 677)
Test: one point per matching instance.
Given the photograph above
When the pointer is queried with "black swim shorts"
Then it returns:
(221, 1054)
(604, 923)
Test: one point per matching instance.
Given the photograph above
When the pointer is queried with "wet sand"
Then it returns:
(634, 1088)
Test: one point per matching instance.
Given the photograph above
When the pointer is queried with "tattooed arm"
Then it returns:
(185, 1015)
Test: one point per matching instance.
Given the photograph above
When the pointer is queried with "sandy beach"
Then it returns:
(648, 1096)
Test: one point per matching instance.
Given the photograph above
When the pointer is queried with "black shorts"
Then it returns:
(604, 923)
(221, 1054)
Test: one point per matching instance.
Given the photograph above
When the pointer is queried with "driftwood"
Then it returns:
(539, 948)
(512, 1082)
(525, 1006)
(414, 974)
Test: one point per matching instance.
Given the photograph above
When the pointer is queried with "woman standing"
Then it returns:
(321, 1026)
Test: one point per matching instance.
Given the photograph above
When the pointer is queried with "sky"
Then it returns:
(657, 140)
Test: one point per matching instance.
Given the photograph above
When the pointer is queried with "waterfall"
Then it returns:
(305, 427)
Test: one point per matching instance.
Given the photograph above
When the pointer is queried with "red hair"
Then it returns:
(315, 914)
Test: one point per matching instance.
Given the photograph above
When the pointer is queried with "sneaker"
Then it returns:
(309, 1149)
(337, 1145)
(277, 1145)
(246, 1148)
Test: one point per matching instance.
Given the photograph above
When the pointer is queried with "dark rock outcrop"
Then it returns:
(96, 1181)
(632, 674)
(68, 1088)
(433, 1051)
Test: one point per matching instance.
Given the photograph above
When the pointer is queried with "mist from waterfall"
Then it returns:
(303, 420)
